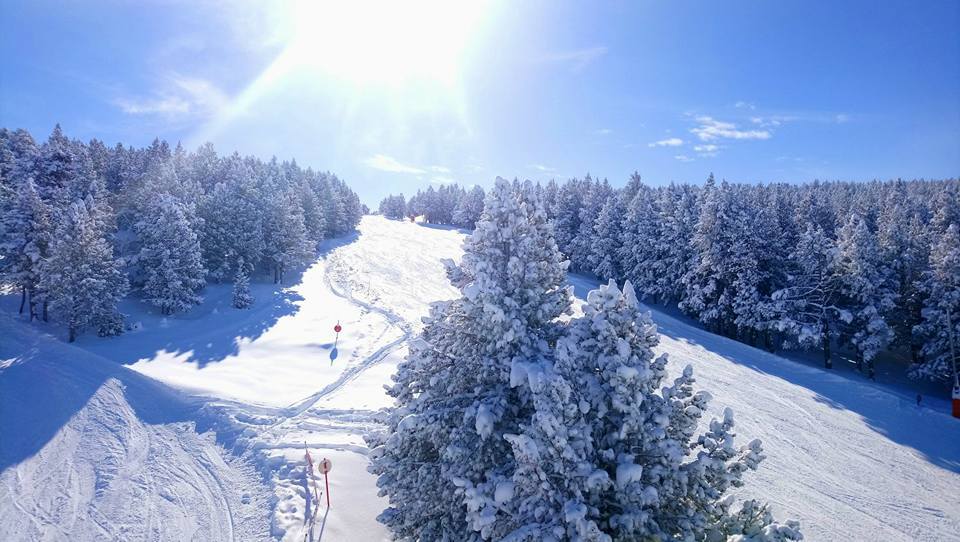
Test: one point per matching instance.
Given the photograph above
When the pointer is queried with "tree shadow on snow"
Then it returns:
(214, 330)
(445, 227)
(889, 412)
(46, 382)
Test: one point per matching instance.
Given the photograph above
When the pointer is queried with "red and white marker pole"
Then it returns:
(310, 471)
(337, 329)
(325, 467)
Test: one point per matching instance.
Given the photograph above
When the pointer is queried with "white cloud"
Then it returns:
(387, 163)
(603, 131)
(841, 118)
(671, 142)
(578, 59)
(708, 150)
(180, 96)
(543, 168)
(168, 106)
(711, 129)
(683, 158)
(745, 105)
(442, 179)
(439, 169)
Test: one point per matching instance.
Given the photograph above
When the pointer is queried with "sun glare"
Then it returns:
(381, 41)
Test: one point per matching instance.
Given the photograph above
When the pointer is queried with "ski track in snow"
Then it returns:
(852, 461)
(107, 473)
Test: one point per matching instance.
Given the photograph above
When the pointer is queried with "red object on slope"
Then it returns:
(337, 328)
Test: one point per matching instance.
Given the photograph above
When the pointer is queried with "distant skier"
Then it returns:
(919, 398)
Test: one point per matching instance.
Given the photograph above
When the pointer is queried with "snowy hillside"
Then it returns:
(96, 450)
(93, 451)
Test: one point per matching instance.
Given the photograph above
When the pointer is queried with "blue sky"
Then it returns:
(392, 100)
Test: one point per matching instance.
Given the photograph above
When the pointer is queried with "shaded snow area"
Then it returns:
(92, 449)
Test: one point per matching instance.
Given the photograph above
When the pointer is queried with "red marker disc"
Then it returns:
(337, 328)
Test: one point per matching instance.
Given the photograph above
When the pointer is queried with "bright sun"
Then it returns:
(383, 41)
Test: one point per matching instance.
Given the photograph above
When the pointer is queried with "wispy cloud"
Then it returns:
(180, 96)
(603, 131)
(543, 168)
(578, 59)
(745, 105)
(710, 129)
(442, 179)
(388, 163)
(670, 142)
(439, 169)
(168, 106)
(777, 120)
(707, 151)
(683, 158)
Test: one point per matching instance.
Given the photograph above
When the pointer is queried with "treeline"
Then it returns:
(84, 224)
(858, 267)
(450, 204)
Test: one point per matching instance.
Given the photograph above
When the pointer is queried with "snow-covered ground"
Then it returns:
(119, 451)
(90, 450)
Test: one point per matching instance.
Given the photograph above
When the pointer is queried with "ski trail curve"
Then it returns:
(355, 370)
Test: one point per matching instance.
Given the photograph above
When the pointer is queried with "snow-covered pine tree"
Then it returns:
(333, 206)
(242, 298)
(395, 207)
(313, 219)
(232, 221)
(866, 291)
(808, 310)
(169, 256)
(610, 453)
(26, 232)
(607, 232)
(592, 198)
(445, 440)
(58, 166)
(677, 206)
(285, 240)
(942, 286)
(904, 242)
(469, 208)
(19, 157)
(756, 263)
(709, 280)
(81, 279)
(640, 237)
(566, 213)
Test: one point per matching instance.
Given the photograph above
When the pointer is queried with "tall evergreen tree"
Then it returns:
(809, 310)
(448, 437)
(81, 278)
(866, 290)
(941, 311)
(170, 256)
(26, 232)
(607, 231)
(709, 281)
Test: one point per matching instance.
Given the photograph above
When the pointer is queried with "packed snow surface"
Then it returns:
(116, 455)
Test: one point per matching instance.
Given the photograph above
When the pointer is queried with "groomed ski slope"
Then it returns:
(850, 460)
(93, 451)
